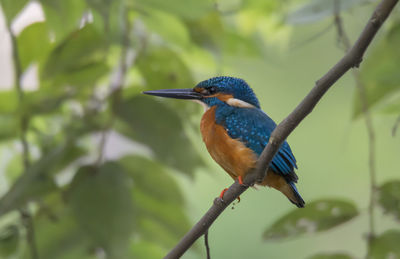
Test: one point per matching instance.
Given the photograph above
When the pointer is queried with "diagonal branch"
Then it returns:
(352, 59)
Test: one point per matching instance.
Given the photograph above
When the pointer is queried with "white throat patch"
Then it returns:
(239, 103)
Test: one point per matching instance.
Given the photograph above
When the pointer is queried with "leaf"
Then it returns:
(317, 216)
(389, 197)
(62, 16)
(57, 233)
(34, 182)
(78, 60)
(316, 10)
(168, 66)
(168, 26)
(9, 239)
(157, 200)
(9, 125)
(149, 250)
(386, 245)
(31, 49)
(8, 102)
(331, 256)
(11, 8)
(101, 201)
(188, 9)
(163, 133)
(379, 72)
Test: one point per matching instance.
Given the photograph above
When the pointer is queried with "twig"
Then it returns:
(116, 85)
(207, 245)
(25, 215)
(395, 126)
(368, 123)
(352, 58)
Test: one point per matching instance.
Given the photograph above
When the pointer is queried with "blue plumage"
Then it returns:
(251, 125)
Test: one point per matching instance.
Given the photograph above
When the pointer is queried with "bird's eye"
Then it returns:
(212, 90)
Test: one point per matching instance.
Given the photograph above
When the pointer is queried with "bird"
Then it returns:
(235, 131)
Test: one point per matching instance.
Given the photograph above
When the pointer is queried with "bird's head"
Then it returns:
(230, 90)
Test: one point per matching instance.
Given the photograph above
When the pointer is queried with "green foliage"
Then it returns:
(317, 10)
(389, 198)
(78, 59)
(140, 122)
(386, 245)
(9, 240)
(11, 8)
(30, 49)
(317, 216)
(101, 202)
(331, 256)
(379, 72)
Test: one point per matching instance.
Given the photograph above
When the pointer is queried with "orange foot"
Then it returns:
(240, 180)
(222, 193)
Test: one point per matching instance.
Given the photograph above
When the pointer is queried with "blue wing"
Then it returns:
(253, 127)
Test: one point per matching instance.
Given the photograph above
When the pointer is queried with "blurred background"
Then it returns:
(90, 168)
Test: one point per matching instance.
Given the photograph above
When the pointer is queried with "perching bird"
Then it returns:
(236, 130)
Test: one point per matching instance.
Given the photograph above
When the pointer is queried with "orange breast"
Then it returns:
(230, 154)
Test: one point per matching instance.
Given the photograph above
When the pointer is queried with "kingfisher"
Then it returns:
(235, 131)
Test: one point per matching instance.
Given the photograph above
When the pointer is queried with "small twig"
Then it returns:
(207, 245)
(368, 123)
(395, 126)
(352, 59)
(25, 215)
(116, 86)
(313, 37)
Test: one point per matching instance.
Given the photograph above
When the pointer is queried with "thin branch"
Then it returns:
(116, 85)
(395, 126)
(207, 245)
(25, 215)
(352, 59)
(343, 38)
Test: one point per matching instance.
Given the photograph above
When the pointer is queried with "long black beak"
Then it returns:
(176, 93)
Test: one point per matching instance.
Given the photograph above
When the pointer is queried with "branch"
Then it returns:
(368, 123)
(353, 58)
(24, 212)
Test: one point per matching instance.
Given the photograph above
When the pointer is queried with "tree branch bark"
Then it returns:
(352, 59)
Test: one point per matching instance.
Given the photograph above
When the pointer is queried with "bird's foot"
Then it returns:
(221, 196)
(240, 180)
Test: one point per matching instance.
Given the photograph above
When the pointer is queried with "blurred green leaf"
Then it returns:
(188, 9)
(331, 256)
(386, 245)
(158, 202)
(102, 197)
(31, 49)
(9, 239)
(57, 233)
(8, 102)
(35, 182)
(148, 250)
(9, 127)
(11, 8)
(78, 60)
(315, 217)
(379, 73)
(162, 132)
(316, 10)
(62, 16)
(151, 178)
(389, 197)
(168, 66)
(168, 26)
